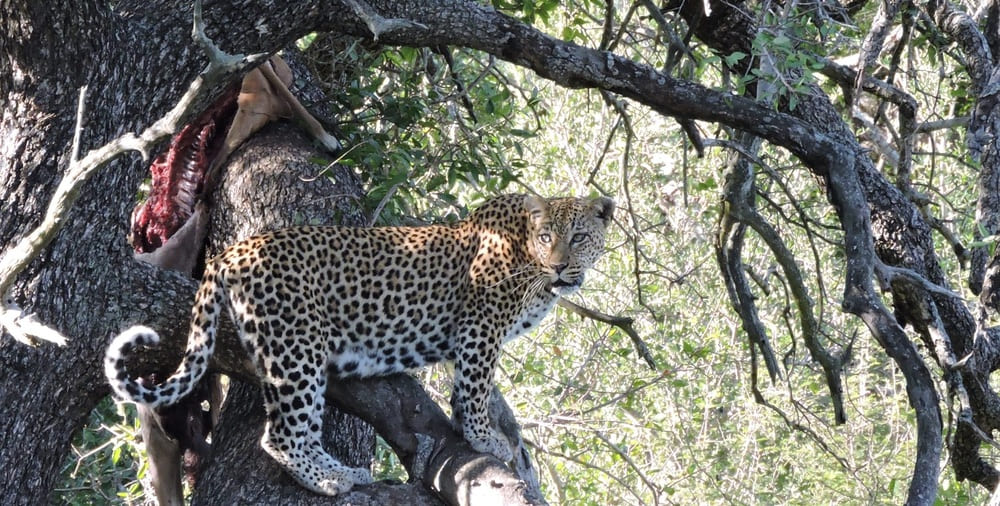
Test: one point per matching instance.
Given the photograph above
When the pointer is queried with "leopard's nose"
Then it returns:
(558, 268)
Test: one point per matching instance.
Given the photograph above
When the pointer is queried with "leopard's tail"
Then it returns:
(201, 343)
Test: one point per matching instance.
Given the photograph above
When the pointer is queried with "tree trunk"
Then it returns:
(85, 283)
(135, 63)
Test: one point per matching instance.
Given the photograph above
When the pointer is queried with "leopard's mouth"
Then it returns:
(561, 286)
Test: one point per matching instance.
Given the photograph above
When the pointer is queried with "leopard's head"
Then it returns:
(567, 237)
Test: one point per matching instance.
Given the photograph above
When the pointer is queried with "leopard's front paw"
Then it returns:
(359, 475)
(491, 443)
(341, 479)
(332, 485)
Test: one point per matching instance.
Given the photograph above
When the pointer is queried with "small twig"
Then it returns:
(635, 468)
(81, 107)
(457, 80)
(382, 203)
(887, 273)
(621, 322)
(588, 465)
(621, 395)
(636, 233)
(25, 328)
(759, 399)
(377, 24)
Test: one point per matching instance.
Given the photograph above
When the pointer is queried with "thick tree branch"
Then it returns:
(984, 72)
(871, 47)
(379, 25)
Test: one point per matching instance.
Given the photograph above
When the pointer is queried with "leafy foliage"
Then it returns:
(416, 133)
(106, 466)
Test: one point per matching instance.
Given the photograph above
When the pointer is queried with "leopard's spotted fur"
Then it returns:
(309, 301)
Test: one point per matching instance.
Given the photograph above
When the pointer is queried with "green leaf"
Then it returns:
(708, 183)
(734, 58)
(305, 41)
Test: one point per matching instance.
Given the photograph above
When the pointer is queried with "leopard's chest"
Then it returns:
(532, 315)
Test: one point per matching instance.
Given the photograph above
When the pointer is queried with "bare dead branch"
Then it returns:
(871, 47)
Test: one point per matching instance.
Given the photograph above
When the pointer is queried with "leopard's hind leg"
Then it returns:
(286, 440)
(294, 427)
(314, 444)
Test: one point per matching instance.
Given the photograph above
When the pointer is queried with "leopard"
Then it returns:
(313, 304)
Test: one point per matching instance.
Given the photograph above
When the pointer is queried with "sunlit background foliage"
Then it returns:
(434, 132)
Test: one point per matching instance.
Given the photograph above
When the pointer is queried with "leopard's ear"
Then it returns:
(604, 208)
(537, 208)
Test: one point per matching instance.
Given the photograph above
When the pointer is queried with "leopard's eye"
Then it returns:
(579, 237)
(545, 238)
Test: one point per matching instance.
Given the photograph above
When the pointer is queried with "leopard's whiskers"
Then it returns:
(518, 272)
(536, 284)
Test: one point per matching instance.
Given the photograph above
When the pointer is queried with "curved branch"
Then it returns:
(964, 30)
(832, 366)
(624, 323)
